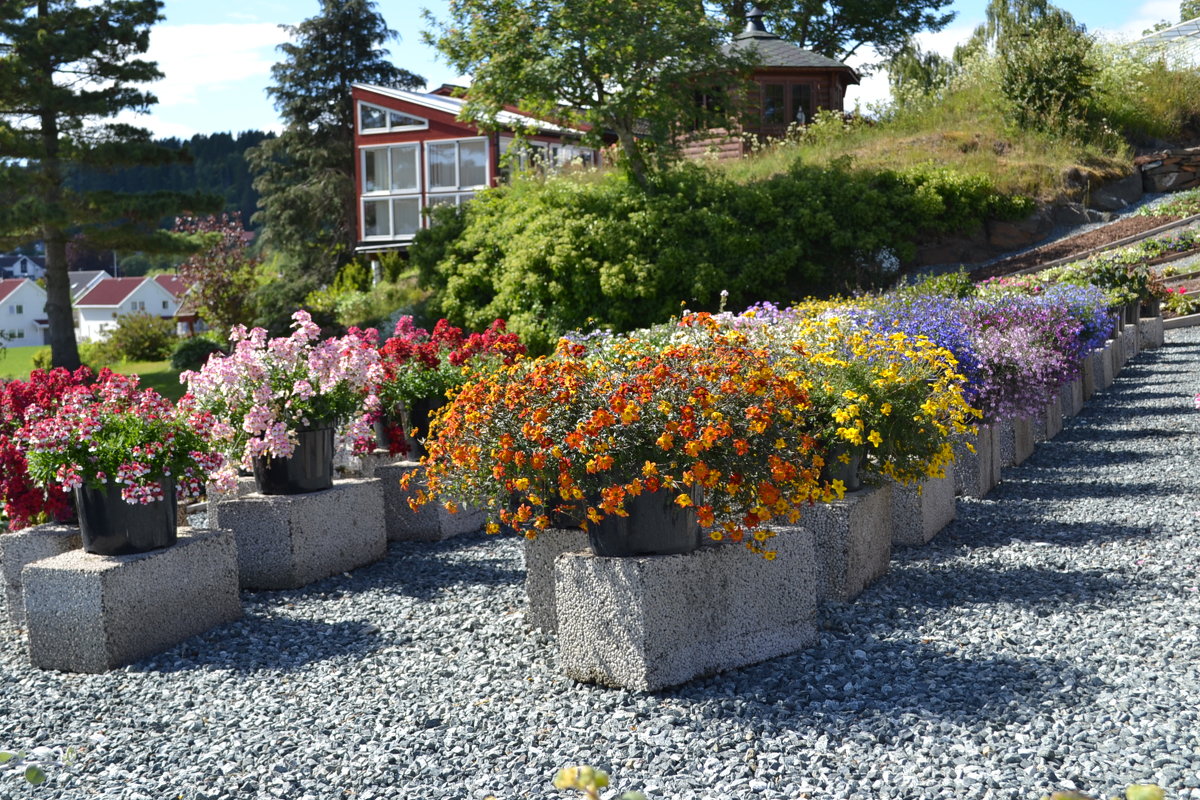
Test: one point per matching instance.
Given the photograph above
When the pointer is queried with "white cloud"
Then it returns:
(1146, 16)
(197, 59)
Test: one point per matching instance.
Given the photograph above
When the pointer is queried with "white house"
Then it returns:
(96, 312)
(22, 312)
(21, 266)
(84, 279)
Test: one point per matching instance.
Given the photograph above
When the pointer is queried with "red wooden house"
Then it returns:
(413, 153)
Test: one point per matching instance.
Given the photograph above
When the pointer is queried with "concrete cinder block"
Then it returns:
(540, 554)
(89, 613)
(649, 622)
(1105, 365)
(288, 541)
(1048, 424)
(1150, 333)
(431, 522)
(1132, 341)
(1004, 445)
(1087, 376)
(974, 466)
(1071, 398)
(25, 547)
(853, 541)
(920, 510)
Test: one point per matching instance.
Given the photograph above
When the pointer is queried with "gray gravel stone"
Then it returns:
(1046, 639)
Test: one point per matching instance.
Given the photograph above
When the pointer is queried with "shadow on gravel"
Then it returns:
(877, 684)
(266, 643)
(1031, 486)
(1039, 588)
(425, 570)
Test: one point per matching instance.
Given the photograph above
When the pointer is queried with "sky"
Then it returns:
(216, 55)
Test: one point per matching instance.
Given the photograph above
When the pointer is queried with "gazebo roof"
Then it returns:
(772, 52)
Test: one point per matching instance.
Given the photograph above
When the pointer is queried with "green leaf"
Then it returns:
(1144, 791)
(6, 756)
(35, 774)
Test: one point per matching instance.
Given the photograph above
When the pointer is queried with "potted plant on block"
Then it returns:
(283, 402)
(128, 455)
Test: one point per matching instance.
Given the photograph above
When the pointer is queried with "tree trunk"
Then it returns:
(635, 160)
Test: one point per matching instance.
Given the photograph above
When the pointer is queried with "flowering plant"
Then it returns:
(418, 364)
(25, 503)
(111, 431)
(267, 390)
(705, 417)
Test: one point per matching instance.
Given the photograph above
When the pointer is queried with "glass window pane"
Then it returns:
(375, 218)
(802, 102)
(375, 172)
(371, 117)
(773, 111)
(472, 162)
(441, 200)
(398, 120)
(404, 168)
(442, 173)
(407, 214)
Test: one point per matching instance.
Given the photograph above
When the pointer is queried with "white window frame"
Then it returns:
(458, 188)
(387, 115)
(390, 195)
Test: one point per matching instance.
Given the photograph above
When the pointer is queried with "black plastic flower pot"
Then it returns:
(309, 469)
(656, 526)
(847, 472)
(109, 526)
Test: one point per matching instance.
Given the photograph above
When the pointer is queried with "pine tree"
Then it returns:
(305, 176)
(66, 70)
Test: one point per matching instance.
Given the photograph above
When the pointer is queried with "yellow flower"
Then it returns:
(885, 409)
(875, 438)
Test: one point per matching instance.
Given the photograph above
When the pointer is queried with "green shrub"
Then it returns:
(43, 358)
(191, 354)
(139, 337)
(1046, 75)
(559, 253)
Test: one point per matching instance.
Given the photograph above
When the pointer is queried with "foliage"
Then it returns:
(556, 254)
(420, 365)
(305, 176)
(1179, 303)
(1135, 791)
(590, 781)
(277, 300)
(31, 766)
(1046, 75)
(632, 68)
(1184, 204)
(268, 389)
(139, 337)
(24, 503)
(113, 432)
(222, 275)
(68, 70)
(838, 29)
(946, 284)
(191, 353)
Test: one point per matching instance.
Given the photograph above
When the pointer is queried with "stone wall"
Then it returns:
(1170, 170)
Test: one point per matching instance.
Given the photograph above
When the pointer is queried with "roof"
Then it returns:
(454, 105)
(10, 285)
(172, 283)
(1187, 28)
(772, 52)
(81, 279)
(10, 260)
(111, 292)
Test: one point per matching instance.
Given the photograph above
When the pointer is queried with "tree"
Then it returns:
(222, 275)
(66, 69)
(915, 74)
(305, 176)
(1189, 10)
(839, 28)
(634, 68)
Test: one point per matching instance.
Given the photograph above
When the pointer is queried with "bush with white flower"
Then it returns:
(267, 390)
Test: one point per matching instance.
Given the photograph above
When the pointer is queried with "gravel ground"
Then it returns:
(1045, 640)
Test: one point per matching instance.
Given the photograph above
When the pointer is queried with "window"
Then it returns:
(19, 334)
(391, 203)
(802, 110)
(458, 164)
(138, 305)
(16, 309)
(773, 111)
(165, 306)
(373, 119)
(785, 103)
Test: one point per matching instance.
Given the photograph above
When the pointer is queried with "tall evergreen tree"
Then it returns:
(305, 176)
(66, 69)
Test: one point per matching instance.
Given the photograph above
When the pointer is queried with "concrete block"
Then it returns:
(431, 522)
(649, 622)
(89, 613)
(1150, 333)
(540, 554)
(288, 541)
(1004, 446)
(1105, 366)
(1132, 338)
(1023, 442)
(921, 510)
(25, 547)
(974, 468)
(1071, 398)
(363, 465)
(1049, 423)
(1087, 376)
(853, 541)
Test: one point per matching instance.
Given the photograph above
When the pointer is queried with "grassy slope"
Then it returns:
(17, 362)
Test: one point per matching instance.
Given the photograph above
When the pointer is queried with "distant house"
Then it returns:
(83, 280)
(187, 319)
(413, 153)
(789, 86)
(96, 312)
(21, 266)
(22, 312)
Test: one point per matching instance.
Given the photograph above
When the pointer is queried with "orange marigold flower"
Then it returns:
(666, 441)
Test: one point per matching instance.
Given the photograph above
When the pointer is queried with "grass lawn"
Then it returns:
(17, 362)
